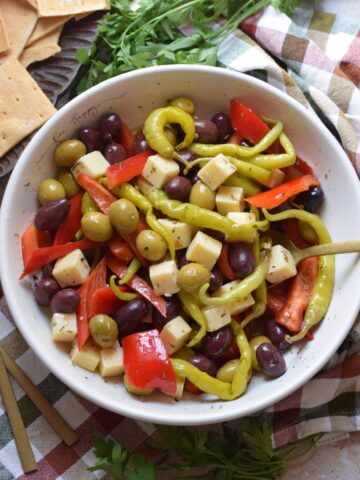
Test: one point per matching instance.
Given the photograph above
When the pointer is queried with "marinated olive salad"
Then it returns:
(162, 250)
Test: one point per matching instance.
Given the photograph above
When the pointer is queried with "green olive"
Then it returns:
(193, 276)
(227, 371)
(88, 204)
(96, 227)
(68, 152)
(170, 135)
(151, 245)
(307, 232)
(69, 183)
(254, 343)
(184, 103)
(124, 216)
(50, 190)
(104, 330)
(202, 196)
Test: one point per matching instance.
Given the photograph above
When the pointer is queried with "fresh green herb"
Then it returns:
(129, 39)
(207, 455)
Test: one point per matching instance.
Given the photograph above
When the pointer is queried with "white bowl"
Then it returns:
(133, 95)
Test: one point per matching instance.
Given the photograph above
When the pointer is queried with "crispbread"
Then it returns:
(52, 8)
(4, 39)
(42, 49)
(33, 3)
(23, 106)
(45, 26)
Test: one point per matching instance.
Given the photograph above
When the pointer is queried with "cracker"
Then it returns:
(45, 26)
(4, 39)
(23, 106)
(51, 8)
(33, 3)
(44, 48)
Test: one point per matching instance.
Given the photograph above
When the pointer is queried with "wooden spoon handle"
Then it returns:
(330, 249)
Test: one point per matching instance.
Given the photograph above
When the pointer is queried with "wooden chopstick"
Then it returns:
(53, 417)
(21, 438)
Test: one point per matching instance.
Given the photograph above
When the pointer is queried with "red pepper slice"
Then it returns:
(42, 256)
(120, 249)
(101, 195)
(291, 315)
(71, 224)
(103, 300)
(275, 300)
(303, 167)
(127, 139)
(291, 230)
(278, 195)
(137, 284)
(246, 122)
(224, 265)
(146, 362)
(96, 280)
(31, 240)
(191, 388)
(126, 170)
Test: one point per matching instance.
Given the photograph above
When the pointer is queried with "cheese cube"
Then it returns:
(204, 249)
(180, 383)
(237, 306)
(93, 164)
(281, 265)
(180, 231)
(216, 317)
(111, 361)
(242, 218)
(276, 179)
(88, 357)
(159, 170)
(216, 171)
(175, 334)
(163, 277)
(63, 327)
(73, 269)
(229, 199)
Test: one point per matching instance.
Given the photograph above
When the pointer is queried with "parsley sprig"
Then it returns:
(151, 34)
(206, 454)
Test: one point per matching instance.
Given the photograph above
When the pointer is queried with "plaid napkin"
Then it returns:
(320, 56)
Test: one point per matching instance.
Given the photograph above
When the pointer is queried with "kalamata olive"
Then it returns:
(110, 127)
(183, 261)
(65, 301)
(254, 343)
(223, 123)
(204, 364)
(281, 208)
(178, 188)
(215, 234)
(129, 316)
(277, 334)
(47, 270)
(216, 343)
(114, 153)
(206, 131)
(173, 309)
(193, 176)
(52, 214)
(186, 155)
(216, 279)
(270, 359)
(140, 144)
(241, 259)
(45, 290)
(91, 137)
(311, 199)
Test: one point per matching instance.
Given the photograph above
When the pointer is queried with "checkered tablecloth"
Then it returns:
(319, 54)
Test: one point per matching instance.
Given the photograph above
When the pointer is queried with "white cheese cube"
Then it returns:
(216, 317)
(93, 164)
(159, 170)
(111, 361)
(63, 327)
(229, 199)
(88, 357)
(237, 306)
(281, 265)
(175, 334)
(242, 218)
(276, 179)
(163, 277)
(216, 171)
(180, 231)
(73, 269)
(204, 249)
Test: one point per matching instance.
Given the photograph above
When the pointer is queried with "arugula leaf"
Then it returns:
(82, 56)
(144, 469)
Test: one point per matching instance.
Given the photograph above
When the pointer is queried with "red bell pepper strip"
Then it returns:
(138, 284)
(291, 230)
(127, 139)
(303, 167)
(146, 362)
(246, 122)
(224, 265)
(191, 388)
(32, 240)
(126, 170)
(291, 315)
(130, 239)
(42, 256)
(276, 196)
(103, 300)
(275, 300)
(72, 222)
(96, 280)
(120, 249)
(101, 195)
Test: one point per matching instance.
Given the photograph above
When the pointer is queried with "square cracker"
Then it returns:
(23, 106)
(51, 8)
(44, 48)
(4, 39)
(45, 26)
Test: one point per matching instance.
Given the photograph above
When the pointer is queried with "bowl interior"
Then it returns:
(133, 96)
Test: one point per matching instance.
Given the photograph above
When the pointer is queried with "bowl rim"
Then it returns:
(137, 411)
